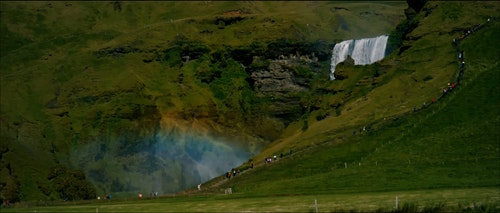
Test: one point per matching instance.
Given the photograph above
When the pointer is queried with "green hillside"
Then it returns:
(104, 88)
(452, 143)
(98, 94)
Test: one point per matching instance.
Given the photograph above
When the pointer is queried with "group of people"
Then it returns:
(473, 29)
(362, 130)
(151, 194)
(269, 159)
(235, 172)
(275, 158)
(448, 88)
(108, 197)
(461, 59)
(232, 173)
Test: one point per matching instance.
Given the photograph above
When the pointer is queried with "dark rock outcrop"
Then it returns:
(281, 81)
(342, 72)
(416, 5)
(277, 79)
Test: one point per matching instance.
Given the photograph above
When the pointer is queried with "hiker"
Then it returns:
(460, 75)
(454, 42)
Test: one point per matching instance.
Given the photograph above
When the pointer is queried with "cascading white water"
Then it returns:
(363, 51)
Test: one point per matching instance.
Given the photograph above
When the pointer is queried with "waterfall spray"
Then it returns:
(164, 161)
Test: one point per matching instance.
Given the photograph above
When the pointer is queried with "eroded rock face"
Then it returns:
(281, 82)
(277, 79)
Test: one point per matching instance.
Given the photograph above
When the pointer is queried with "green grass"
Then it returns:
(402, 87)
(48, 49)
(445, 199)
(444, 155)
(451, 144)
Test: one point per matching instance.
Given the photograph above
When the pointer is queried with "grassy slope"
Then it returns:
(451, 144)
(403, 86)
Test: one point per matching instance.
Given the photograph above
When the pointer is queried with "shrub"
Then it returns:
(182, 48)
(245, 54)
(71, 185)
(322, 115)
(10, 190)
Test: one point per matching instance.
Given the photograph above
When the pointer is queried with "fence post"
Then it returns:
(316, 205)
(396, 202)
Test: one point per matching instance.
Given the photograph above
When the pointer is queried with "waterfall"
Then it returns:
(363, 51)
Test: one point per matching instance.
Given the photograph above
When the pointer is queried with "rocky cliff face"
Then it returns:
(277, 79)
(282, 81)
